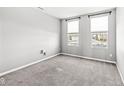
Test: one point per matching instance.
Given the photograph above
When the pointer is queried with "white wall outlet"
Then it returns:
(110, 55)
(41, 51)
(44, 52)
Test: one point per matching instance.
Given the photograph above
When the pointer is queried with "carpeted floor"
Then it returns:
(65, 71)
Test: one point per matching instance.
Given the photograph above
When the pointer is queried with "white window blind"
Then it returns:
(73, 33)
(99, 31)
(99, 24)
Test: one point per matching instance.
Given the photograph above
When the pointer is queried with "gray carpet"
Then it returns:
(65, 71)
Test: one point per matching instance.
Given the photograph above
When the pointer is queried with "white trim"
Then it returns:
(27, 65)
(96, 59)
(120, 73)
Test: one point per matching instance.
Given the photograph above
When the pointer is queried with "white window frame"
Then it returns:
(96, 31)
(77, 45)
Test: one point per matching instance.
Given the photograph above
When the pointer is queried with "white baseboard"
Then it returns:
(96, 59)
(120, 73)
(27, 65)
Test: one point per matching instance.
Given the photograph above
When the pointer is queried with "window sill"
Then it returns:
(73, 45)
(99, 47)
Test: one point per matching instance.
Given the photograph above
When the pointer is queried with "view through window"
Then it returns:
(73, 33)
(99, 31)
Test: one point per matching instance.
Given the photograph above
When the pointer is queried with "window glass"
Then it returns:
(73, 33)
(99, 31)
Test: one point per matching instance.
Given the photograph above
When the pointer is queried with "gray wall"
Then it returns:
(84, 48)
(23, 33)
(120, 38)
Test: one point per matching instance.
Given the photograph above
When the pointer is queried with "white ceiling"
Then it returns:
(64, 12)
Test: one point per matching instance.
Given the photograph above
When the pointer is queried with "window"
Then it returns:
(99, 31)
(73, 33)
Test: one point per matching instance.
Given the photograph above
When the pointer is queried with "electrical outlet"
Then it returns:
(41, 51)
(44, 53)
(110, 55)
